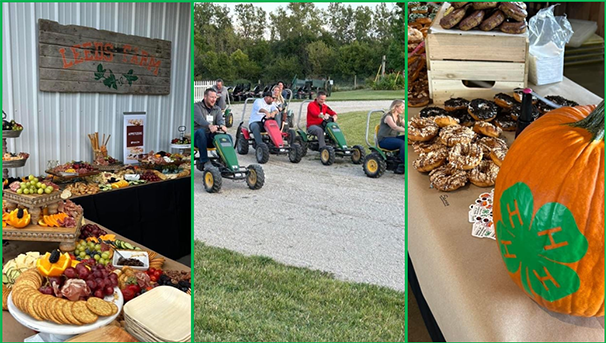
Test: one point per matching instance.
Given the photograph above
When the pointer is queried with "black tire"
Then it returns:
(359, 154)
(229, 120)
(242, 145)
(262, 153)
(212, 180)
(296, 153)
(374, 165)
(302, 144)
(256, 177)
(291, 121)
(327, 155)
(292, 137)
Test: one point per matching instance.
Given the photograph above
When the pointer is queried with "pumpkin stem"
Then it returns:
(594, 122)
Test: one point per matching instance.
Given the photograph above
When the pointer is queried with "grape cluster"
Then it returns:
(99, 280)
(34, 186)
(149, 176)
(91, 230)
(91, 250)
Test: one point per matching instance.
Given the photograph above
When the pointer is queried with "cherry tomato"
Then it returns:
(157, 274)
(151, 270)
(153, 278)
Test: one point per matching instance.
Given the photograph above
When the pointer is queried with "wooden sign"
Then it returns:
(78, 59)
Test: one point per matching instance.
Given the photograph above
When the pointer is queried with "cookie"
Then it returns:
(82, 313)
(99, 307)
(114, 308)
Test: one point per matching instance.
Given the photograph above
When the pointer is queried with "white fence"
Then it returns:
(200, 87)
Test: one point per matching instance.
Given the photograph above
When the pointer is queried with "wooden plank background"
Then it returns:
(68, 60)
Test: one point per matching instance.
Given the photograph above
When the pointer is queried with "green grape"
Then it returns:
(26, 191)
(48, 190)
(105, 255)
(87, 257)
(19, 191)
(97, 258)
(40, 191)
(98, 247)
(82, 254)
(31, 177)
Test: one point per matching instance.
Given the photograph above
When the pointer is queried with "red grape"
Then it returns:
(98, 274)
(109, 290)
(91, 284)
(99, 293)
(113, 276)
(70, 273)
(114, 282)
(46, 290)
(84, 273)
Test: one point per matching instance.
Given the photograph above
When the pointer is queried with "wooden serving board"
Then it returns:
(110, 333)
(67, 237)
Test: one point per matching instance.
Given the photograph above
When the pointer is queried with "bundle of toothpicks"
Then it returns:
(99, 149)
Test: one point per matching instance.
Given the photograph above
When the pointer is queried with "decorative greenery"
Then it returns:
(111, 81)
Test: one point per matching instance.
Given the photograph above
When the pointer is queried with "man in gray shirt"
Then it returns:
(222, 94)
(207, 120)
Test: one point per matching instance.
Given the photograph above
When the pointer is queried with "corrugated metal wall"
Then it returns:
(56, 124)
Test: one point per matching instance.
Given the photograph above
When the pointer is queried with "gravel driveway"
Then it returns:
(330, 218)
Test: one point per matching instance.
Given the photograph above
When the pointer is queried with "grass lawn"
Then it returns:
(254, 299)
(353, 125)
(366, 94)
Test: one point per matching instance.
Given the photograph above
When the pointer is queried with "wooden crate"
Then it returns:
(466, 63)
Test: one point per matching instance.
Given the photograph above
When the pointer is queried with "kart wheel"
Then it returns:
(303, 145)
(212, 180)
(296, 153)
(242, 145)
(262, 153)
(327, 155)
(256, 177)
(292, 137)
(374, 165)
(229, 120)
(358, 154)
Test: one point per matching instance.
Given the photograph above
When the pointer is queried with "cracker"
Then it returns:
(99, 307)
(82, 313)
(67, 311)
(114, 308)
(29, 305)
(58, 311)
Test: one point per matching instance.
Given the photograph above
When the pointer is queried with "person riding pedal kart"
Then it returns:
(317, 112)
(208, 119)
(261, 108)
(388, 136)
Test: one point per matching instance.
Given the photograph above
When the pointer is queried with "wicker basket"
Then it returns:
(11, 133)
(14, 163)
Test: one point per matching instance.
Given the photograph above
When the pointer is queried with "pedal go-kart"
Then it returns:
(336, 144)
(379, 160)
(275, 141)
(225, 165)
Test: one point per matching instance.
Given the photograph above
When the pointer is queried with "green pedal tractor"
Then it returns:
(225, 165)
(336, 144)
(379, 160)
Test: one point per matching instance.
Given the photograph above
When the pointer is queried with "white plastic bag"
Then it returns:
(547, 38)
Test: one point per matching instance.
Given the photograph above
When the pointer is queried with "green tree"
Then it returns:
(252, 22)
(320, 58)
(362, 22)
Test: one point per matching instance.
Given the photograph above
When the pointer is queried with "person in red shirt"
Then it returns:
(317, 111)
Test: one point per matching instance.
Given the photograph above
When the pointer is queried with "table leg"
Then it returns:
(35, 213)
(53, 208)
(67, 246)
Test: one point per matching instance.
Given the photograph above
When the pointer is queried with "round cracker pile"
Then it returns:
(44, 307)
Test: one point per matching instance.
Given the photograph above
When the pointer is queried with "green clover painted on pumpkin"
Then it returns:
(539, 247)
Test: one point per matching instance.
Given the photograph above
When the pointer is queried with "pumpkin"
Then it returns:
(53, 264)
(18, 218)
(549, 211)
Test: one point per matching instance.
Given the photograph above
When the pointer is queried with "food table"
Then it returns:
(463, 279)
(159, 214)
(13, 331)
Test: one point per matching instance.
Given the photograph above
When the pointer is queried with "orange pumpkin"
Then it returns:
(549, 210)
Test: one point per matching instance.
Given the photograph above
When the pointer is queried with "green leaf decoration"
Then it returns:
(99, 67)
(539, 247)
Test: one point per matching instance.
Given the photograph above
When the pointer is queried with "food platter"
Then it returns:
(65, 330)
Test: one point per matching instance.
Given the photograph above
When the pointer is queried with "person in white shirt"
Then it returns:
(263, 107)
